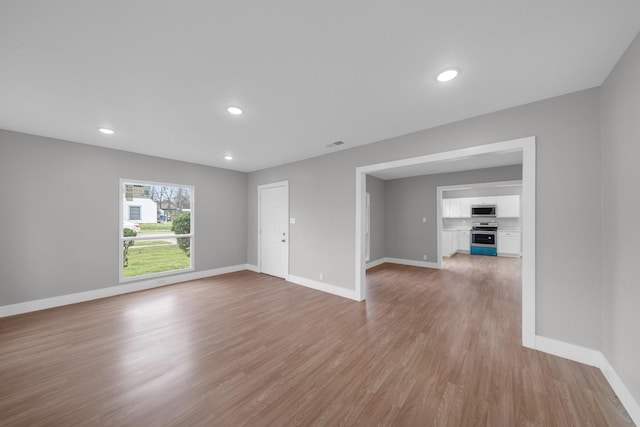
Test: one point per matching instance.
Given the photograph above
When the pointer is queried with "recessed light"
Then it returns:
(447, 75)
(234, 110)
(106, 131)
(228, 157)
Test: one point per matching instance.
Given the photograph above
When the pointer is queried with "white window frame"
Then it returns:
(121, 238)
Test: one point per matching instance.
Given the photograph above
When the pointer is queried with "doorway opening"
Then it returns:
(526, 146)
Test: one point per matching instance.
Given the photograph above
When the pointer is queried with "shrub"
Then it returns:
(182, 225)
(127, 244)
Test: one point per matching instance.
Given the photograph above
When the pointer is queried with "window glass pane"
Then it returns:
(134, 213)
(155, 215)
(154, 256)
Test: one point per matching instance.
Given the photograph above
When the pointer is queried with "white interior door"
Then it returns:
(274, 229)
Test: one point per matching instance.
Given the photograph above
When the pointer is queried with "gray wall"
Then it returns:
(620, 207)
(567, 128)
(376, 189)
(60, 214)
(411, 199)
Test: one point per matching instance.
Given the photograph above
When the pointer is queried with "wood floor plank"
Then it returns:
(427, 348)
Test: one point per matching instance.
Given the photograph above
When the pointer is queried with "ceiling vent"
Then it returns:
(334, 144)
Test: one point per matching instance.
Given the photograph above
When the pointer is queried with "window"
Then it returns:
(134, 213)
(156, 229)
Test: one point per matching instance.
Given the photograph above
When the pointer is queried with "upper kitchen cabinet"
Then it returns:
(456, 208)
(508, 206)
(465, 208)
(451, 208)
(482, 201)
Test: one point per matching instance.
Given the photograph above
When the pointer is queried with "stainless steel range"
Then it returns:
(484, 238)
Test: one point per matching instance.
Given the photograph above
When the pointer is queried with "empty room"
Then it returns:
(319, 213)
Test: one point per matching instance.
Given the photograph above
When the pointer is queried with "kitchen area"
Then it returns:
(486, 225)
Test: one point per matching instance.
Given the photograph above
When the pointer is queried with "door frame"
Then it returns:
(528, 147)
(264, 187)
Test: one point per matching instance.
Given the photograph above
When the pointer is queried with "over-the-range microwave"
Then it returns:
(483, 210)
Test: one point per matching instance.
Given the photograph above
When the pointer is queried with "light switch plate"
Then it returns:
(292, 220)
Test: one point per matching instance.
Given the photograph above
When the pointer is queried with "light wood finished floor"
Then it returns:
(427, 348)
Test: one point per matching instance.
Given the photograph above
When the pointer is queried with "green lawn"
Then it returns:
(150, 243)
(155, 228)
(155, 259)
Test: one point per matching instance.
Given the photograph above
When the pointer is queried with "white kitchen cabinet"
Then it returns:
(464, 240)
(446, 208)
(465, 208)
(447, 243)
(456, 208)
(508, 206)
(482, 200)
(509, 243)
(451, 208)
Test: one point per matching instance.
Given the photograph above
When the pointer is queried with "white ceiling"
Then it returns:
(161, 73)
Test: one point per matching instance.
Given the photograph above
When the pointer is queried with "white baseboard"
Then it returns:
(42, 304)
(375, 263)
(592, 358)
(621, 390)
(324, 287)
(411, 262)
(253, 268)
(568, 351)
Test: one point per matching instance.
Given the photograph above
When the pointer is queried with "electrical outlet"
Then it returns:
(321, 276)
(424, 219)
(424, 257)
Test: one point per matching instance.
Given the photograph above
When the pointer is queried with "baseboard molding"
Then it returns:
(253, 268)
(324, 287)
(42, 304)
(568, 351)
(411, 262)
(592, 358)
(621, 390)
(375, 263)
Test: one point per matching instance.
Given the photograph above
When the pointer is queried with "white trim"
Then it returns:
(288, 236)
(156, 237)
(376, 263)
(621, 390)
(568, 351)
(324, 287)
(528, 147)
(361, 189)
(42, 304)
(528, 242)
(367, 237)
(592, 358)
(253, 268)
(412, 263)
